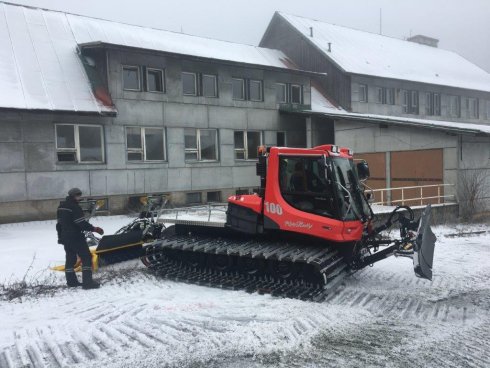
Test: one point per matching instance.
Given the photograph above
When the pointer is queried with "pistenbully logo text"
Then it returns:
(298, 224)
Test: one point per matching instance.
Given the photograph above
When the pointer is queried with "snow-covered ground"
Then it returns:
(381, 316)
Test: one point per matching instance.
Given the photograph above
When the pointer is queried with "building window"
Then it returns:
(201, 144)
(238, 88)
(193, 198)
(296, 94)
(390, 96)
(79, 143)
(213, 197)
(488, 110)
(455, 106)
(363, 93)
(255, 90)
(414, 102)
(209, 85)
(432, 104)
(131, 78)
(437, 104)
(281, 139)
(410, 102)
(281, 94)
(189, 84)
(380, 95)
(155, 81)
(246, 144)
(472, 108)
(145, 144)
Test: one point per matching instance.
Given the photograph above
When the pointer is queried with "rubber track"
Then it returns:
(325, 261)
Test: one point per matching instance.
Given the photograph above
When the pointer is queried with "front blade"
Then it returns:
(425, 242)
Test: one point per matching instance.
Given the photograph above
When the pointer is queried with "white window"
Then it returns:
(281, 139)
(414, 102)
(296, 94)
(380, 95)
(437, 104)
(429, 107)
(405, 100)
(363, 93)
(145, 144)
(155, 81)
(79, 143)
(391, 96)
(238, 88)
(488, 110)
(455, 106)
(255, 90)
(246, 144)
(201, 144)
(281, 94)
(131, 78)
(209, 85)
(189, 84)
(472, 108)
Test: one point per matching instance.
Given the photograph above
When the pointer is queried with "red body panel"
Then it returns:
(285, 217)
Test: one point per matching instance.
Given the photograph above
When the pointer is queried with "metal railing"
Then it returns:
(386, 195)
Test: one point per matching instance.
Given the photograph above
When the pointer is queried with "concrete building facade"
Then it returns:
(193, 141)
(395, 102)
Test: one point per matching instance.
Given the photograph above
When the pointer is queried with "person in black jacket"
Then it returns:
(70, 227)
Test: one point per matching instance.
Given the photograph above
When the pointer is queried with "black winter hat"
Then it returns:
(73, 192)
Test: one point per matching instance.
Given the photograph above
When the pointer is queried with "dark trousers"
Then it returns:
(73, 249)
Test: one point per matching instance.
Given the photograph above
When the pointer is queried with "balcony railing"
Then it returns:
(387, 195)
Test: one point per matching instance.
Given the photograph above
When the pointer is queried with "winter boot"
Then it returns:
(71, 278)
(88, 282)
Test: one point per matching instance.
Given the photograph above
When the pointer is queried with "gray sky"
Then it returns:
(461, 25)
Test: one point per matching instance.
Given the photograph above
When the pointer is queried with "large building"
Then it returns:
(121, 110)
(419, 114)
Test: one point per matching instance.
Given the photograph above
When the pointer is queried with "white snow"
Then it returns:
(368, 53)
(383, 315)
(320, 104)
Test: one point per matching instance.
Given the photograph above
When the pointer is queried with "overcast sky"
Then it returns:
(461, 25)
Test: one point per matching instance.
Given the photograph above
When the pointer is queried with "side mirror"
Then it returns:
(363, 170)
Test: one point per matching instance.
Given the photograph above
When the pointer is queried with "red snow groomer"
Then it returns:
(309, 226)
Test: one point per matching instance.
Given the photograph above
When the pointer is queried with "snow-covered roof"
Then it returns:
(365, 53)
(321, 105)
(41, 70)
(39, 65)
(90, 30)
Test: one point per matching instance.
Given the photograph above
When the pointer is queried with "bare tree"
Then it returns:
(474, 191)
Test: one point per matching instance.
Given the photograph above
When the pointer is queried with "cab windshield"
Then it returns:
(304, 184)
(352, 204)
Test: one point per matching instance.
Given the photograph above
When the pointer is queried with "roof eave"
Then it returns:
(106, 45)
(377, 120)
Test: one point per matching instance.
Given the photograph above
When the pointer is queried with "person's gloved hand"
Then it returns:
(99, 230)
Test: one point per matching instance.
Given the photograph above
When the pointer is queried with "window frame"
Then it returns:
(457, 104)
(405, 101)
(488, 109)
(150, 69)
(138, 69)
(143, 144)
(285, 93)
(414, 102)
(76, 149)
(390, 96)
(300, 86)
(197, 150)
(243, 89)
(244, 150)
(196, 90)
(364, 96)
(285, 138)
(202, 75)
(261, 90)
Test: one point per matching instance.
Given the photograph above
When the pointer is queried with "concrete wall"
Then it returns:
(33, 181)
(372, 107)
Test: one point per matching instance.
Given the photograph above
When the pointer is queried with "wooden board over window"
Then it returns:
(416, 168)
